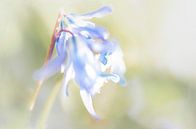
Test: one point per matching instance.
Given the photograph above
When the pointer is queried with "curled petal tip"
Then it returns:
(105, 9)
(97, 117)
(122, 81)
(97, 13)
(87, 100)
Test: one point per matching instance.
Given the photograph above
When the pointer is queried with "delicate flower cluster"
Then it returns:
(85, 54)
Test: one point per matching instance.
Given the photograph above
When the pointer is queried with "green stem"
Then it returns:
(48, 105)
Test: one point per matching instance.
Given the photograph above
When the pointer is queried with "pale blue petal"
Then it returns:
(70, 18)
(114, 77)
(61, 44)
(81, 76)
(99, 47)
(111, 76)
(122, 81)
(69, 74)
(76, 21)
(115, 60)
(50, 69)
(62, 24)
(87, 100)
(54, 65)
(98, 13)
(94, 32)
(106, 51)
(103, 58)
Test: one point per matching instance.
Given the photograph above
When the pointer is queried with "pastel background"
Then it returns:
(158, 38)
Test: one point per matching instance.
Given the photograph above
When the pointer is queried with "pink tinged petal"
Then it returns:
(87, 100)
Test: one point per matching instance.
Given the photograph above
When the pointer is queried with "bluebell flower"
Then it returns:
(85, 54)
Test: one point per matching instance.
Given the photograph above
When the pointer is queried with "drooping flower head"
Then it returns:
(85, 54)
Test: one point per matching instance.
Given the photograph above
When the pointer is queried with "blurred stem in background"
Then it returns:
(48, 105)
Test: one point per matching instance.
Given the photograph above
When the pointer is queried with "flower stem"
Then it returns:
(48, 105)
(34, 97)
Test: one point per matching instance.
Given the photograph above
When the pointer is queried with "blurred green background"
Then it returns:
(159, 45)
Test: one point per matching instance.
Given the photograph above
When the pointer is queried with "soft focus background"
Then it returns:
(158, 38)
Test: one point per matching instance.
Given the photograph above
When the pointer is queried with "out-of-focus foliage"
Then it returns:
(158, 41)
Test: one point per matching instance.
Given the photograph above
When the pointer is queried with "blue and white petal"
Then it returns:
(68, 75)
(80, 58)
(50, 69)
(75, 21)
(97, 85)
(61, 44)
(104, 78)
(98, 46)
(97, 13)
(93, 32)
(87, 100)
(54, 65)
(115, 62)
